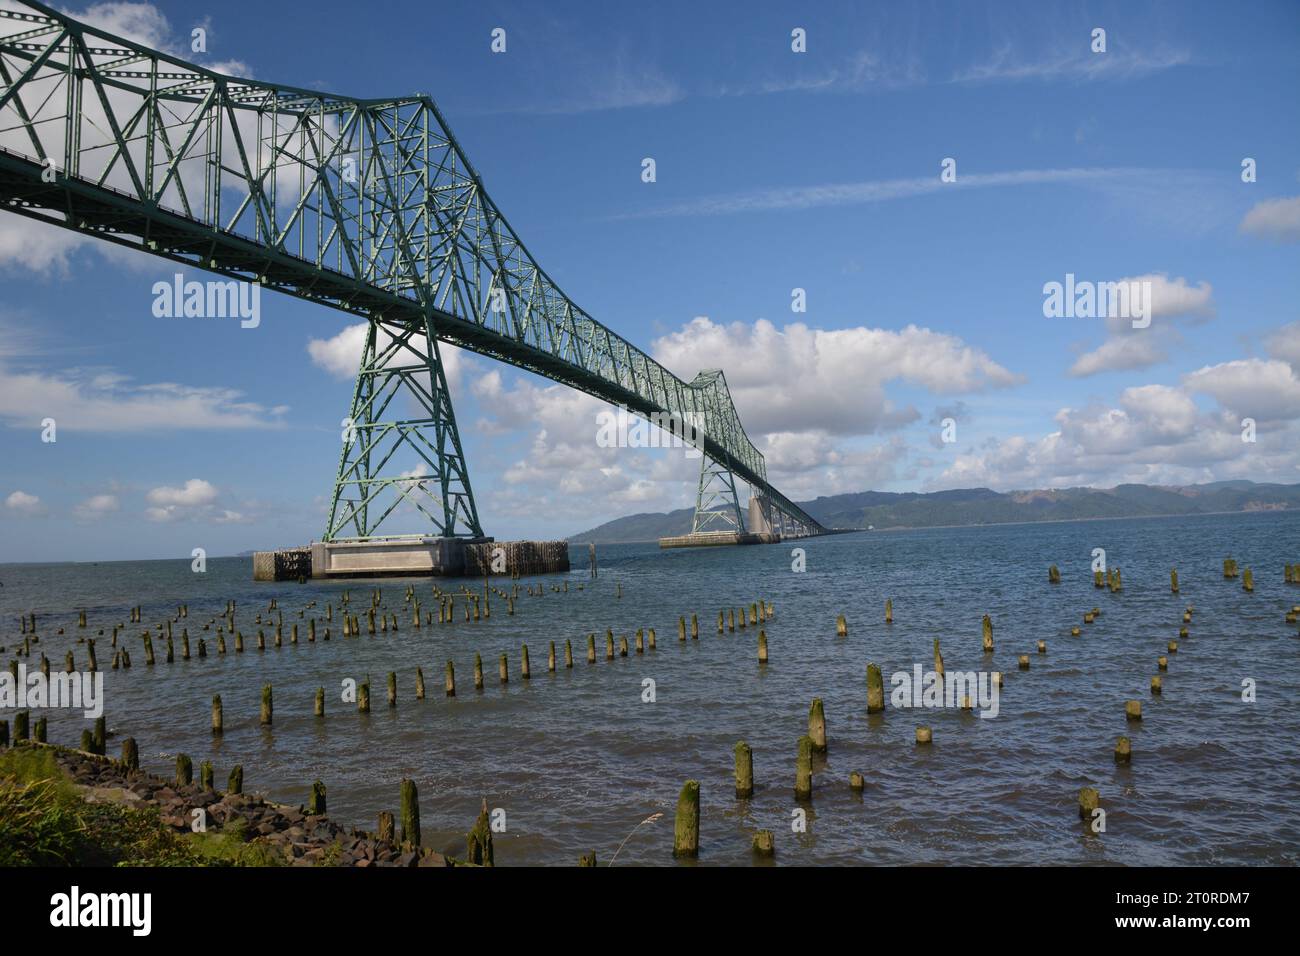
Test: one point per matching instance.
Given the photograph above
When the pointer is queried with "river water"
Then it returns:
(577, 759)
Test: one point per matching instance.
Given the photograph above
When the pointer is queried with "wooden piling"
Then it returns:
(803, 769)
(686, 826)
(568, 654)
(924, 736)
(1123, 750)
(217, 725)
(478, 672)
(235, 783)
(744, 770)
(591, 648)
(524, 672)
(392, 688)
(1089, 800)
(1157, 685)
(1247, 580)
(889, 610)
(1173, 580)
(1162, 662)
(387, 828)
(130, 755)
(184, 770)
(449, 680)
(841, 627)
(410, 814)
(875, 690)
(265, 718)
(762, 647)
(817, 725)
(1133, 709)
(419, 683)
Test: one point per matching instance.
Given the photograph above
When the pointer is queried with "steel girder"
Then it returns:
(369, 206)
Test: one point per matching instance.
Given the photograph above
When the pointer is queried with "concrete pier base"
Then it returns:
(395, 556)
(412, 557)
(711, 539)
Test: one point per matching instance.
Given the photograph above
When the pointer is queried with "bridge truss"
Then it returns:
(369, 206)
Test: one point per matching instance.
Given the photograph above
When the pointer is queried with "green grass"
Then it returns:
(44, 822)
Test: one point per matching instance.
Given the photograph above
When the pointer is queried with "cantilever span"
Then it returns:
(369, 206)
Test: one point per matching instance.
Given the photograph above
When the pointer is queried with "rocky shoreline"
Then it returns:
(304, 839)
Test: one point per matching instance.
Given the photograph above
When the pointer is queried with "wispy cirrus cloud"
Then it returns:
(880, 190)
(1079, 64)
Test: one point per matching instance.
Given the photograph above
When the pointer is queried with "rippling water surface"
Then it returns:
(577, 759)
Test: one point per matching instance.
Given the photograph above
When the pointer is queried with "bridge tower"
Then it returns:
(401, 413)
(717, 508)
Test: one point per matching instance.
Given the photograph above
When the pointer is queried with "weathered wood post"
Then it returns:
(686, 826)
(875, 689)
(503, 669)
(803, 769)
(449, 680)
(591, 648)
(410, 814)
(235, 783)
(130, 755)
(1089, 800)
(1133, 709)
(184, 770)
(392, 688)
(419, 683)
(568, 654)
(1173, 580)
(387, 827)
(841, 627)
(817, 725)
(478, 672)
(524, 672)
(550, 659)
(318, 708)
(316, 800)
(762, 647)
(217, 725)
(1162, 662)
(1157, 685)
(764, 844)
(1123, 750)
(1247, 580)
(987, 642)
(265, 719)
(681, 629)
(889, 610)
(478, 842)
(205, 775)
(744, 770)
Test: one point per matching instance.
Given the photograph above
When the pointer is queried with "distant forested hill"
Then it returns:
(967, 506)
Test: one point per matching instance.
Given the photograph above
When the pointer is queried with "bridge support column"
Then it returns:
(717, 508)
(402, 456)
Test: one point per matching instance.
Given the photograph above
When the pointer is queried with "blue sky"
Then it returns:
(775, 170)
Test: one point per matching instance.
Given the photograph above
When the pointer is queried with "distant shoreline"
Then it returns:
(1005, 524)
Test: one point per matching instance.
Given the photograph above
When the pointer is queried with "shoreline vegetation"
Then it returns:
(982, 508)
(70, 808)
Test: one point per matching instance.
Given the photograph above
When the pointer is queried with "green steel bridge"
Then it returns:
(369, 206)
